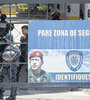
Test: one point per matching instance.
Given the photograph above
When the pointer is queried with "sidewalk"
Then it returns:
(52, 94)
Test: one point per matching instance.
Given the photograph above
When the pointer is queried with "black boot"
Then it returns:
(10, 98)
(1, 93)
(13, 94)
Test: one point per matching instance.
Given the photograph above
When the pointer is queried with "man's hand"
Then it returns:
(9, 59)
(1, 68)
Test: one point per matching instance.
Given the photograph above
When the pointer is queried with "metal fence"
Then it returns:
(18, 15)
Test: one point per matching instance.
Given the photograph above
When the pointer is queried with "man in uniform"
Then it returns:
(4, 29)
(35, 73)
(10, 57)
(5, 26)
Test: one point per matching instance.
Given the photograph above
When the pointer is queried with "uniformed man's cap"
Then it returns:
(9, 36)
(3, 16)
(36, 54)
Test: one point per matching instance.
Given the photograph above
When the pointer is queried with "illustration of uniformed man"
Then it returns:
(35, 73)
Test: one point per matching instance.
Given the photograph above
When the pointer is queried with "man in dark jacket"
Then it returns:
(24, 50)
(24, 44)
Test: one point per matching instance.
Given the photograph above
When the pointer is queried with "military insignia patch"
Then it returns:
(74, 60)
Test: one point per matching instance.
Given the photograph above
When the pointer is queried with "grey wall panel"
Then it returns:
(43, 1)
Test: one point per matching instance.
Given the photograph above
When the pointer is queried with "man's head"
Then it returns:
(36, 60)
(25, 29)
(3, 17)
(9, 37)
(56, 16)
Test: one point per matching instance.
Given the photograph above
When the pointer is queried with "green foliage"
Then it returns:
(42, 7)
(22, 7)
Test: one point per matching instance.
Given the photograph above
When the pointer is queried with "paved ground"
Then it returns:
(52, 94)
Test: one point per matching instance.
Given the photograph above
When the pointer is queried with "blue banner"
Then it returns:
(65, 48)
(59, 34)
